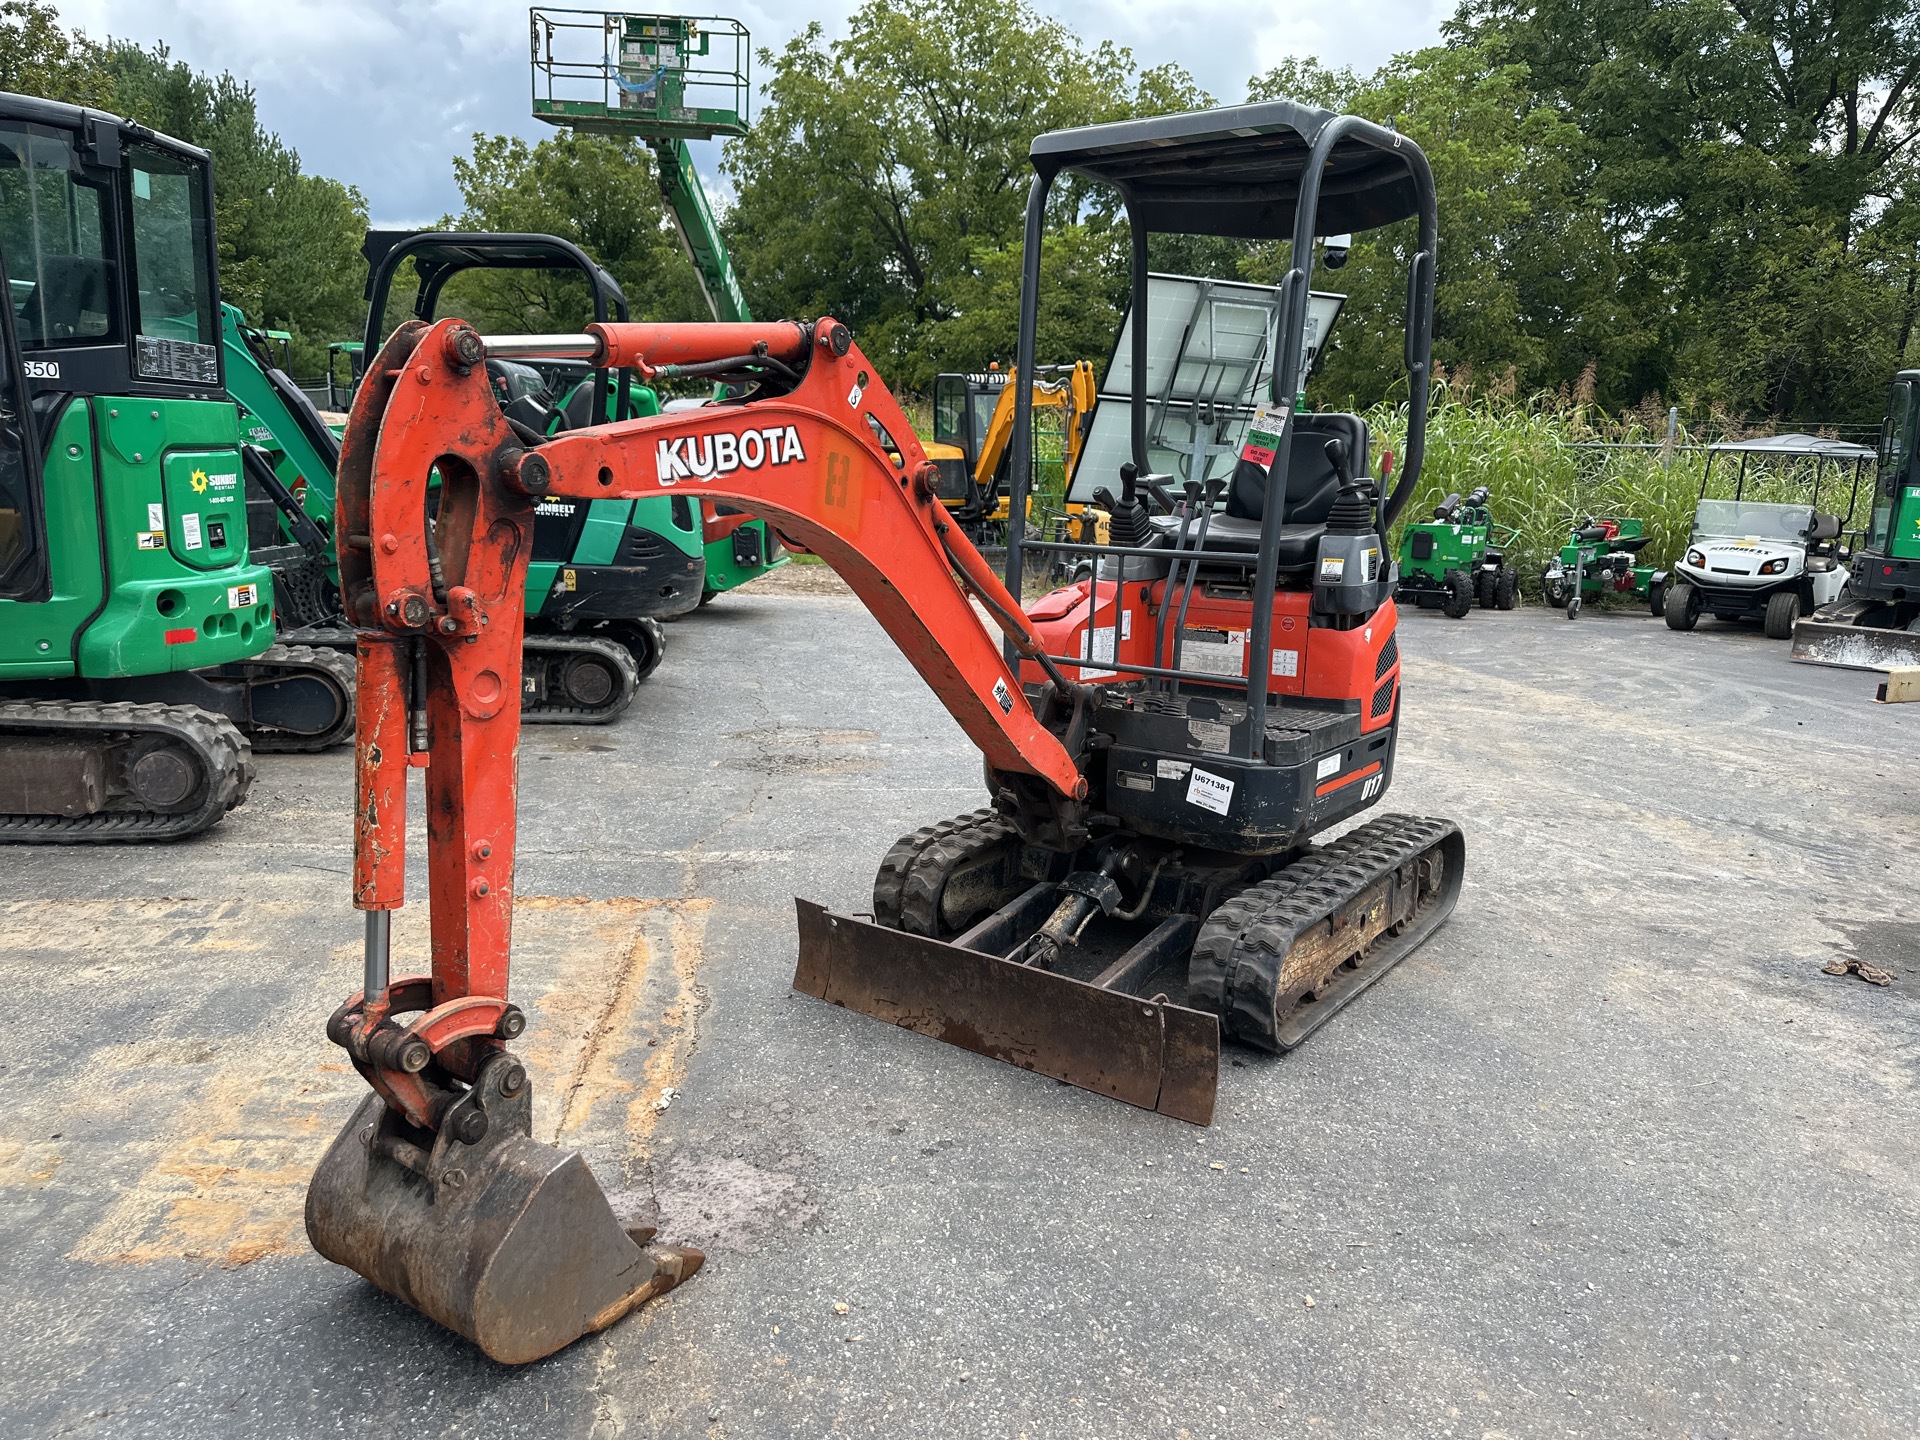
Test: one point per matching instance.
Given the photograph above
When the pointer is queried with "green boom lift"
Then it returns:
(138, 663)
(647, 76)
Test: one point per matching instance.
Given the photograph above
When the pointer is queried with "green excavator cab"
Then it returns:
(137, 641)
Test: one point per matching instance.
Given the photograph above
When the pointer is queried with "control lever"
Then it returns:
(1336, 449)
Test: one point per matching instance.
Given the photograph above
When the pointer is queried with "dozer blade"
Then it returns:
(507, 1241)
(1148, 1053)
(1853, 647)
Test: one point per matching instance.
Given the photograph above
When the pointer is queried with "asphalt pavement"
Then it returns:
(1610, 1156)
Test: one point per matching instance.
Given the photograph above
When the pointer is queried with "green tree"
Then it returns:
(886, 178)
(1754, 161)
(38, 57)
(1524, 283)
(597, 191)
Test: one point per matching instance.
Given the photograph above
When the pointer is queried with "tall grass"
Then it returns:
(1550, 464)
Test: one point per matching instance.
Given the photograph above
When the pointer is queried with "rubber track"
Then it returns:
(906, 892)
(340, 637)
(1246, 940)
(221, 750)
(337, 669)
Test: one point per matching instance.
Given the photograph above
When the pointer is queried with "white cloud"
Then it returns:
(383, 95)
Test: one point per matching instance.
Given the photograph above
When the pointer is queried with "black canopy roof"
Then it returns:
(1237, 171)
(461, 250)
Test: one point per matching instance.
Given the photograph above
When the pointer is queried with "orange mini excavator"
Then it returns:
(1144, 878)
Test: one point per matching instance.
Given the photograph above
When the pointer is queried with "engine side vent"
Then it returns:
(1382, 700)
(1389, 657)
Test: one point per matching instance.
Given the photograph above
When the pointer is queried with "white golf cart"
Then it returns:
(1752, 559)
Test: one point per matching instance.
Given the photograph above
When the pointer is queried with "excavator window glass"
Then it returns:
(1899, 442)
(173, 266)
(53, 228)
(19, 510)
(983, 404)
(950, 410)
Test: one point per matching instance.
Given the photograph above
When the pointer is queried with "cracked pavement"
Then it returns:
(1608, 1156)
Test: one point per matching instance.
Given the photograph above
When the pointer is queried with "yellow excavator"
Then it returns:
(973, 417)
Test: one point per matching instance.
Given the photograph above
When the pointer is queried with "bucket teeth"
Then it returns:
(509, 1242)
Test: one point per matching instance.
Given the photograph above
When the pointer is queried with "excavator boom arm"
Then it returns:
(440, 608)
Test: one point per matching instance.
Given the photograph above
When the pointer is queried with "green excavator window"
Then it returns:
(1899, 441)
(53, 230)
(20, 571)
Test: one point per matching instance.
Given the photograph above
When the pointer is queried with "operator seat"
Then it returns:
(71, 288)
(1312, 484)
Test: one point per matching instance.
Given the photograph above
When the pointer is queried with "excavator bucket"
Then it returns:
(1147, 1052)
(507, 1241)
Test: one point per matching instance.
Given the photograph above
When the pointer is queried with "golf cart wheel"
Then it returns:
(1483, 583)
(1657, 597)
(1682, 607)
(1506, 588)
(1459, 595)
(1782, 610)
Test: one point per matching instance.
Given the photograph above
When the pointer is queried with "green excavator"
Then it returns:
(139, 663)
(1874, 624)
(604, 573)
(665, 80)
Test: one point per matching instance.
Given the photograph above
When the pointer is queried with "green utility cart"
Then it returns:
(1603, 557)
(1459, 558)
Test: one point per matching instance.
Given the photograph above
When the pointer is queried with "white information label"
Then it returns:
(1329, 765)
(1099, 646)
(190, 528)
(240, 597)
(1286, 662)
(1211, 735)
(1172, 769)
(154, 540)
(156, 515)
(1210, 792)
(1214, 652)
(1332, 567)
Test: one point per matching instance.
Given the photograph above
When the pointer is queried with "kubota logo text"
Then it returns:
(707, 457)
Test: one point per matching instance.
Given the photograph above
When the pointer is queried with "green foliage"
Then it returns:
(600, 193)
(1554, 461)
(1753, 166)
(37, 57)
(886, 176)
(1528, 455)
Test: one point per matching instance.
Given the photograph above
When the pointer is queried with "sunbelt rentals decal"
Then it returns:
(708, 457)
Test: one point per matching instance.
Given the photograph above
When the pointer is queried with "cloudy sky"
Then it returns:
(382, 93)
